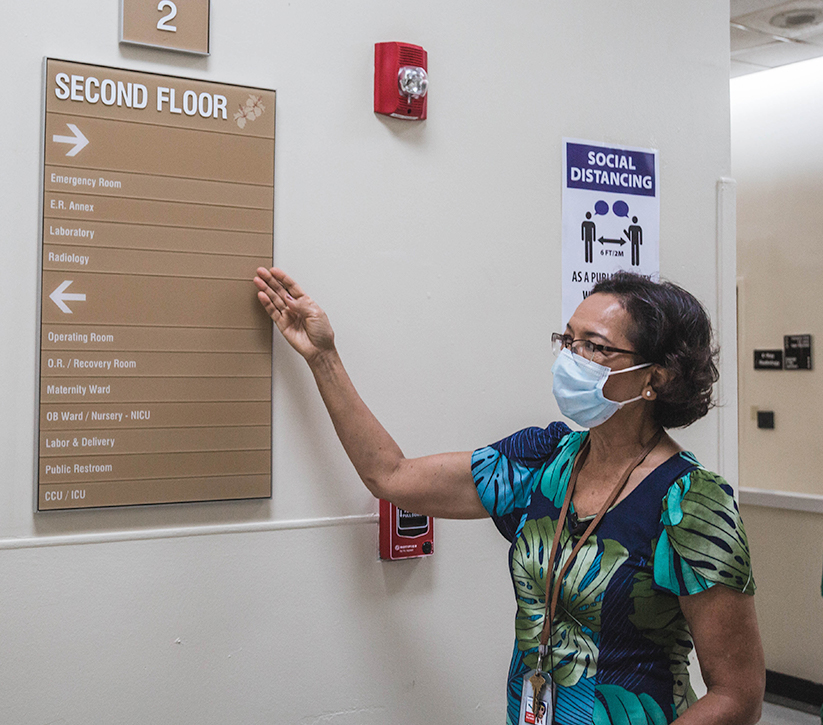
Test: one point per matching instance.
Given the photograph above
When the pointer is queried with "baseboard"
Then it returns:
(787, 687)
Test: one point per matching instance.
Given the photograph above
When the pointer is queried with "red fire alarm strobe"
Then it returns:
(404, 535)
(400, 80)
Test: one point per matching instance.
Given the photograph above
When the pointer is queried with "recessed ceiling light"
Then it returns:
(799, 18)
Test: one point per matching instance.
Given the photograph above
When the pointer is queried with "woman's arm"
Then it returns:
(727, 641)
(440, 485)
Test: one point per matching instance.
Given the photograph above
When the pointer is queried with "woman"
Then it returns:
(624, 549)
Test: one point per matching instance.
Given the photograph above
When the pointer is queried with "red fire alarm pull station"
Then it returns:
(403, 534)
(401, 81)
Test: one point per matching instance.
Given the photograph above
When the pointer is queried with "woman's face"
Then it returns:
(603, 320)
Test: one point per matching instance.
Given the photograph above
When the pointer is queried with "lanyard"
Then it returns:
(553, 592)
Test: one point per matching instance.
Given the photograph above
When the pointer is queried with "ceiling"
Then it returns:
(766, 33)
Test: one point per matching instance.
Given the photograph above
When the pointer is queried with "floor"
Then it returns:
(779, 715)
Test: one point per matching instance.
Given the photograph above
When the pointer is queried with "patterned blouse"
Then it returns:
(620, 641)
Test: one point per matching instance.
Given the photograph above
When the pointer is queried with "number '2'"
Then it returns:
(163, 23)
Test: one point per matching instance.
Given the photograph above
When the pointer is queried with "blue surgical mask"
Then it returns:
(578, 389)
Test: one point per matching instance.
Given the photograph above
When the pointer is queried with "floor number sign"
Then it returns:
(181, 25)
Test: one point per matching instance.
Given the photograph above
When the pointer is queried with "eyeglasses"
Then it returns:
(584, 348)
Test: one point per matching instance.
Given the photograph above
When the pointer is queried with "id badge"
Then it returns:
(539, 713)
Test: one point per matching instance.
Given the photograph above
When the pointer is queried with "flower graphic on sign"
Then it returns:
(256, 104)
(253, 108)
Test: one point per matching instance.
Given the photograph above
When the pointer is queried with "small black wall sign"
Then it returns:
(768, 359)
(797, 352)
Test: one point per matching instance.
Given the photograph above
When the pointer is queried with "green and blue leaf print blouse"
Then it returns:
(621, 643)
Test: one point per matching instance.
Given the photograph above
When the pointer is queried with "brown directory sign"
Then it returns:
(155, 361)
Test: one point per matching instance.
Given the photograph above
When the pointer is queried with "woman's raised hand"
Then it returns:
(298, 317)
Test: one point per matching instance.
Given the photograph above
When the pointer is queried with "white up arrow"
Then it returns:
(79, 140)
(59, 296)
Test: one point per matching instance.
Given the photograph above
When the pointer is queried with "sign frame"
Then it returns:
(144, 44)
(41, 352)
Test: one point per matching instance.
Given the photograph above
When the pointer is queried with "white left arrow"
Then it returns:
(78, 140)
(59, 296)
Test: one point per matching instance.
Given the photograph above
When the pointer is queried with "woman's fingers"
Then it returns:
(280, 282)
(285, 294)
(268, 304)
(285, 310)
(266, 282)
(271, 289)
(291, 287)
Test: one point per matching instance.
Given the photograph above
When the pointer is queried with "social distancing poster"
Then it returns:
(611, 215)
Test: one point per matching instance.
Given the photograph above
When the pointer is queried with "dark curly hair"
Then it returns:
(672, 329)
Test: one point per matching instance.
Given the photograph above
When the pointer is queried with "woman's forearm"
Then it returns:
(438, 485)
(372, 451)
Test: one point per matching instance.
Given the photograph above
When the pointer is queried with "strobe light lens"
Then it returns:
(413, 81)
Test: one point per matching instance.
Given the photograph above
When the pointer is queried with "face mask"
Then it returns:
(578, 389)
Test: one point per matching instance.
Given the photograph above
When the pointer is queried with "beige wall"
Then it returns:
(787, 551)
(777, 159)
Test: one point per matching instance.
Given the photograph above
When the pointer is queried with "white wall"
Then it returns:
(435, 249)
(777, 157)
